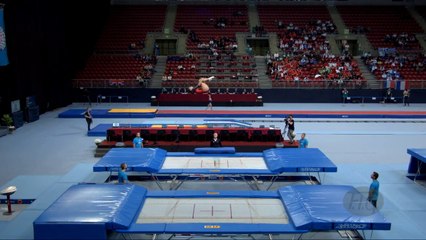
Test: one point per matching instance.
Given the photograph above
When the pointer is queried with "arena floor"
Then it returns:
(45, 157)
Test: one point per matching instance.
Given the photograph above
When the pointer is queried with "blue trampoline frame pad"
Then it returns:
(418, 158)
(89, 211)
(277, 160)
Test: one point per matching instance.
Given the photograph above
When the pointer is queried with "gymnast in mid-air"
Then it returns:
(202, 86)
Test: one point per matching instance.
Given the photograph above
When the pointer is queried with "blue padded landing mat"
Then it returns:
(322, 207)
(137, 159)
(87, 211)
(102, 113)
(298, 160)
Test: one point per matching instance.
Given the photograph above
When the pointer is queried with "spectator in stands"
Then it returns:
(303, 142)
(406, 97)
(89, 118)
(249, 50)
(237, 13)
(122, 176)
(142, 43)
(373, 193)
(132, 46)
(156, 49)
(180, 67)
(280, 24)
(138, 141)
(215, 142)
(183, 30)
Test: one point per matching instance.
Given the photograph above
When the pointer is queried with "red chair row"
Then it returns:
(195, 134)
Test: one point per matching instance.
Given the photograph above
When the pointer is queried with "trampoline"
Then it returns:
(90, 211)
(418, 157)
(217, 162)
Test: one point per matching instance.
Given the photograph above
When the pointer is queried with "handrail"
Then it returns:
(321, 84)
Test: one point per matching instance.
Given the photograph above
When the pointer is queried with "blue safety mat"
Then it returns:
(278, 161)
(102, 113)
(298, 160)
(418, 158)
(331, 207)
(137, 160)
(87, 211)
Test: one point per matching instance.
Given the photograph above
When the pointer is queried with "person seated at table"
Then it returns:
(138, 141)
(215, 142)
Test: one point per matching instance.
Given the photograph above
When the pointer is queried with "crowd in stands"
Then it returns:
(394, 66)
(312, 67)
(180, 67)
(311, 37)
(137, 45)
(401, 40)
(360, 29)
(306, 56)
(259, 31)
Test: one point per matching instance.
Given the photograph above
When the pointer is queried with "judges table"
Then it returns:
(171, 99)
(190, 133)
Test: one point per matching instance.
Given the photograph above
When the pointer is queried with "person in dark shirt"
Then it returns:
(290, 133)
(88, 117)
(215, 142)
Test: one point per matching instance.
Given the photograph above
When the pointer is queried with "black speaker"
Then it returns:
(18, 119)
(32, 114)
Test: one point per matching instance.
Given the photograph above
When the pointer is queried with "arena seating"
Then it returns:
(212, 43)
(379, 21)
(204, 20)
(410, 68)
(111, 71)
(130, 24)
(230, 72)
(298, 15)
(307, 61)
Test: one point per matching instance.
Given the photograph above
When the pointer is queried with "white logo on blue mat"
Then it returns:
(2, 39)
(351, 226)
(355, 201)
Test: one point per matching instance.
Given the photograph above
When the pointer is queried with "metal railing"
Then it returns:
(311, 84)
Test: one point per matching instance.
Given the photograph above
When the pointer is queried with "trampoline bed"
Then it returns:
(89, 211)
(217, 162)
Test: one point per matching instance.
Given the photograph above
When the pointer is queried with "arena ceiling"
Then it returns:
(275, 2)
